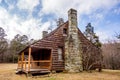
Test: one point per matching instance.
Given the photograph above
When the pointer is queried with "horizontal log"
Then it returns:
(42, 61)
(39, 61)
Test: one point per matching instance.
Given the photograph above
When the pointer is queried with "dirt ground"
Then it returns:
(7, 72)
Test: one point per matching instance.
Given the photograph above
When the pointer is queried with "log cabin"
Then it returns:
(60, 50)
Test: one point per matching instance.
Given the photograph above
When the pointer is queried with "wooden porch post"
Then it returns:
(22, 59)
(18, 61)
(29, 56)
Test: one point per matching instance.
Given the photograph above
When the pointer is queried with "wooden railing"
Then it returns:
(43, 64)
(41, 61)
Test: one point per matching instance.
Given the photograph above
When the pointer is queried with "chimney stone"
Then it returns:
(44, 34)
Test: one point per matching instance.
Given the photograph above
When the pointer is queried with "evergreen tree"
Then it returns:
(89, 33)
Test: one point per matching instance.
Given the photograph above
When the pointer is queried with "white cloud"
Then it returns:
(108, 31)
(27, 4)
(7, 22)
(34, 27)
(83, 6)
(88, 7)
(103, 35)
(15, 25)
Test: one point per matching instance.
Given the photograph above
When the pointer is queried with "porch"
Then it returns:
(35, 60)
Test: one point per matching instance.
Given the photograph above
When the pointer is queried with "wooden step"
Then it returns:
(32, 71)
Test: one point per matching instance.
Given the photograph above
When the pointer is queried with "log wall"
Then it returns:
(53, 41)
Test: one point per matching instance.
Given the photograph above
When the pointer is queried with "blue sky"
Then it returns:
(31, 17)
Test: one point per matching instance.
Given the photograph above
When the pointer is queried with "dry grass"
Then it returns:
(7, 72)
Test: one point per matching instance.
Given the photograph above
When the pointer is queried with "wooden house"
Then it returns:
(60, 50)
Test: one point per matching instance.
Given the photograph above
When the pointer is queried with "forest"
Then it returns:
(10, 48)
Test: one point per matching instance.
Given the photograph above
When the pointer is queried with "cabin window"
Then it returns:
(64, 31)
(60, 51)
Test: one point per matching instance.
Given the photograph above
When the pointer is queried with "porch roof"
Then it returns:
(34, 48)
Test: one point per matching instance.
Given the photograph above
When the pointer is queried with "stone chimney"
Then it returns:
(73, 57)
(72, 20)
(44, 34)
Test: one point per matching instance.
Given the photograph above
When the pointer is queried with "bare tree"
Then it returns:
(111, 53)
(92, 58)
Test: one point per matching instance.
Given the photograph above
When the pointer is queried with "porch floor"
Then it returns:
(33, 71)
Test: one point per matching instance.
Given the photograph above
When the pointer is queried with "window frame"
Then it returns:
(60, 53)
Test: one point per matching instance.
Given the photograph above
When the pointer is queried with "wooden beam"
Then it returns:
(38, 61)
(25, 66)
(22, 59)
(29, 56)
(41, 61)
